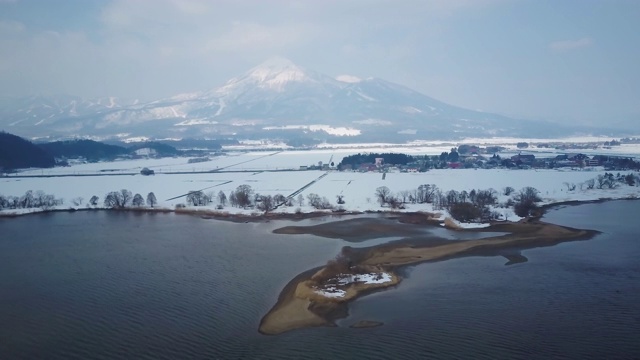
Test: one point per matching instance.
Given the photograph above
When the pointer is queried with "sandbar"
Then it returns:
(320, 296)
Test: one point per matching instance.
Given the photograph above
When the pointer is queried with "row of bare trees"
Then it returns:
(474, 205)
(606, 181)
(124, 198)
(30, 200)
(243, 197)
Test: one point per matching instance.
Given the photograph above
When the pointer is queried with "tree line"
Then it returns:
(30, 200)
(466, 206)
(476, 205)
(370, 158)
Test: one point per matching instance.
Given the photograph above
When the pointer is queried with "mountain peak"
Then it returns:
(276, 72)
(273, 74)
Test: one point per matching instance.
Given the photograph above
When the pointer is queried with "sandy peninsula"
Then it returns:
(320, 296)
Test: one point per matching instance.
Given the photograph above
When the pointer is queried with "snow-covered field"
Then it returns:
(294, 159)
(238, 161)
(256, 169)
(358, 189)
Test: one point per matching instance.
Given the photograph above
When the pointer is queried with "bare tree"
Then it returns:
(112, 200)
(243, 195)
(210, 196)
(611, 182)
(318, 202)
(27, 200)
(451, 198)
(118, 199)
(439, 200)
(484, 198)
(463, 196)
(342, 264)
(151, 199)
(314, 200)
(382, 194)
(465, 212)
(404, 194)
(300, 200)
(630, 179)
(222, 198)
(196, 198)
(279, 199)
(425, 193)
(38, 198)
(507, 191)
(94, 200)
(528, 194)
(395, 203)
(138, 200)
(590, 184)
(266, 204)
(126, 197)
(232, 199)
(526, 200)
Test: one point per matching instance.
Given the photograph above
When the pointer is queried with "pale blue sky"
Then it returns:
(563, 60)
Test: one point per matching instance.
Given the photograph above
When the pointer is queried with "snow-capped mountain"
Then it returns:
(276, 99)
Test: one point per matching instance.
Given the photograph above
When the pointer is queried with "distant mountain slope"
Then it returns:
(16, 153)
(276, 99)
(89, 149)
(94, 150)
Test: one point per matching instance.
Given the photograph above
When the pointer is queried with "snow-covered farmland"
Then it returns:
(358, 189)
(277, 172)
(434, 147)
(239, 161)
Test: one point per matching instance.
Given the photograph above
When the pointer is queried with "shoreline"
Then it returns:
(205, 214)
(296, 216)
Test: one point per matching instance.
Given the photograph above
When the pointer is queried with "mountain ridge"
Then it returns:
(276, 99)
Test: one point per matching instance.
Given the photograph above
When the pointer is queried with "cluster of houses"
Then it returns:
(566, 160)
(519, 161)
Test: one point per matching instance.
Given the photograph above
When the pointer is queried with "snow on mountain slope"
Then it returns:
(348, 78)
(276, 99)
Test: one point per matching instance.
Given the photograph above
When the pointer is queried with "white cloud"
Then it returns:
(566, 45)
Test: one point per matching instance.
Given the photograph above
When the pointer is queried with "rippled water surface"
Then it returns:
(100, 285)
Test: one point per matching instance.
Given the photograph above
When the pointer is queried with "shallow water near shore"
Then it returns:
(164, 286)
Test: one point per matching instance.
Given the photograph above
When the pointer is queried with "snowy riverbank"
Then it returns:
(358, 190)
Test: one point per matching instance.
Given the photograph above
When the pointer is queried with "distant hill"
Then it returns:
(17, 153)
(88, 149)
(96, 151)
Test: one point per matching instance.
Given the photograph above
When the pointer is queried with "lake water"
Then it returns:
(104, 285)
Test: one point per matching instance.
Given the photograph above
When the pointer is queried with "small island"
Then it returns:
(320, 296)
